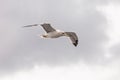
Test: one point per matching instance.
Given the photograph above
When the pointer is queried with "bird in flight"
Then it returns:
(53, 33)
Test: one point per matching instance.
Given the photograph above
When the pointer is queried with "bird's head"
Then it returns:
(61, 32)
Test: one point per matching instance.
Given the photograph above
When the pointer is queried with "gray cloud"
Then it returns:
(21, 48)
(115, 51)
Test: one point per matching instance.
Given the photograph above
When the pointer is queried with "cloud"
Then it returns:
(77, 72)
(25, 49)
(115, 50)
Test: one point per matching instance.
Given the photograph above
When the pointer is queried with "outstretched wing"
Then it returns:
(47, 27)
(73, 37)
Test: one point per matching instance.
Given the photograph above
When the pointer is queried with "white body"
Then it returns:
(54, 34)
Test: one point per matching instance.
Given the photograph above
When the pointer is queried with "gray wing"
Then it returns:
(73, 37)
(47, 27)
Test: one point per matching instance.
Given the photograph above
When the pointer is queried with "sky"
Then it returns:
(25, 56)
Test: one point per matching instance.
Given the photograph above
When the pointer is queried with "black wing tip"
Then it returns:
(76, 43)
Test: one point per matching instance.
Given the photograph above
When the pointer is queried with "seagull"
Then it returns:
(53, 33)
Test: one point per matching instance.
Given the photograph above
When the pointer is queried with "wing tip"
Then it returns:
(31, 25)
(76, 43)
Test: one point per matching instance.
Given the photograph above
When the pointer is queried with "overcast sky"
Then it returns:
(23, 53)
